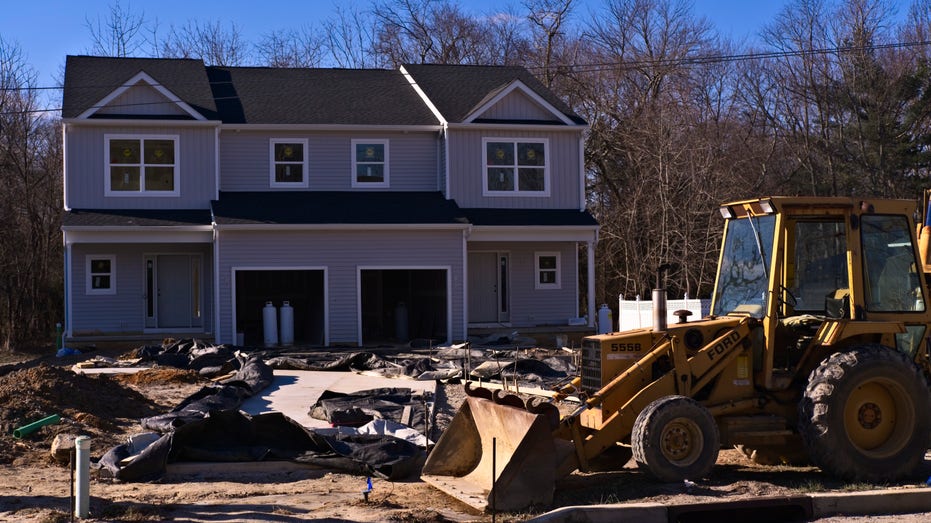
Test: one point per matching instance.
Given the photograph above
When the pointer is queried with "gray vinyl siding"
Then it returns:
(87, 171)
(535, 307)
(142, 100)
(467, 170)
(124, 312)
(341, 253)
(518, 106)
(245, 163)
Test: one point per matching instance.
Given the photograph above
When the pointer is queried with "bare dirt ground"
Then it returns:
(33, 487)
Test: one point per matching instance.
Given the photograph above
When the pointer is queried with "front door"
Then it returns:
(173, 297)
(488, 285)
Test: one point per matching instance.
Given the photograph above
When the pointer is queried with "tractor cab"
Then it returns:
(818, 274)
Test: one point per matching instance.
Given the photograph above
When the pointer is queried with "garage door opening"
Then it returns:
(304, 289)
(400, 305)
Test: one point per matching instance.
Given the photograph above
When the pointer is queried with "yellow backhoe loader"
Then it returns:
(816, 349)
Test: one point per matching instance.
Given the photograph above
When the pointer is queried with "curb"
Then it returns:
(785, 508)
(871, 503)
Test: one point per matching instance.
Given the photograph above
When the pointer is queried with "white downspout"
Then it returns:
(68, 279)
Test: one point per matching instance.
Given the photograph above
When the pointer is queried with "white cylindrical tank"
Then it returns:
(605, 319)
(286, 315)
(270, 324)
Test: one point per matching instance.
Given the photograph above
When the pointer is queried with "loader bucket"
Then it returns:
(486, 434)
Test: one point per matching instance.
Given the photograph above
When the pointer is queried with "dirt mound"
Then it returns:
(159, 375)
(91, 404)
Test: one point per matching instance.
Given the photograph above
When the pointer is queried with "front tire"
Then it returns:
(865, 415)
(675, 438)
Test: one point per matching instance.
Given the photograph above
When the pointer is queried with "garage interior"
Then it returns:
(304, 289)
(401, 305)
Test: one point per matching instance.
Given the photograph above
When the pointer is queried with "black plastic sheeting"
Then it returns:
(231, 436)
(422, 368)
(207, 426)
(355, 409)
(252, 377)
(207, 360)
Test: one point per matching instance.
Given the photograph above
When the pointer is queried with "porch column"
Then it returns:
(591, 283)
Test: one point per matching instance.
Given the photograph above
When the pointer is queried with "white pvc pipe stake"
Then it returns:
(82, 445)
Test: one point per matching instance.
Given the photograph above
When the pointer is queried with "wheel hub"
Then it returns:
(870, 415)
(681, 441)
(874, 416)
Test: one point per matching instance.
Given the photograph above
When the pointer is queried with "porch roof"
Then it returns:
(95, 218)
(336, 207)
(481, 217)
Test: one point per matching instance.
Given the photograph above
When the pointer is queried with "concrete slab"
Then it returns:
(293, 392)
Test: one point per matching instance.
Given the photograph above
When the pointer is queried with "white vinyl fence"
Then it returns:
(636, 314)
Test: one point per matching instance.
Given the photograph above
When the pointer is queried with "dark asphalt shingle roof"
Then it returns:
(330, 207)
(457, 90)
(266, 95)
(525, 217)
(135, 217)
(89, 79)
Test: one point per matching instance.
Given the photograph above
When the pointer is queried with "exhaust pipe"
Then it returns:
(659, 300)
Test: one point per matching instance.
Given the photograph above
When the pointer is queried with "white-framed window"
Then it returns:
(515, 166)
(141, 165)
(369, 163)
(288, 160)
(546, 268)
(101, 274)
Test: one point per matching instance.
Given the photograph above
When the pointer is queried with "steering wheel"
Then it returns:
(786, 297)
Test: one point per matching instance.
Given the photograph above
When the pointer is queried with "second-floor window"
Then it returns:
(516, 167)
(370, 163)
(288, 163)
(145, 165)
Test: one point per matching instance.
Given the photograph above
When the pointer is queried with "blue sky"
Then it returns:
(47, 30)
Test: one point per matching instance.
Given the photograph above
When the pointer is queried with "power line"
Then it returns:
(578, 68)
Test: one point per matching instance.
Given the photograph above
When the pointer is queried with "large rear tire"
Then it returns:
(675, 438)
(865, 415)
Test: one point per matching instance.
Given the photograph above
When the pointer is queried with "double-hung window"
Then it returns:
(142, 165)
(288, 162)
(546, 265)
(370, 163)
(101, 274)
(515, 167)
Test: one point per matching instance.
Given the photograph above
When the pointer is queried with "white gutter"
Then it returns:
(330, 127)
(338, 226)
(519, 127)
(137, 122)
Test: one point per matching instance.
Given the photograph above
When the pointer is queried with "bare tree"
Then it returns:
(547, 18)
(292, 48)
(209, 41)
(350, 37)
(121, 33)
(438, 31)
(664, 147)
(30, 206)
